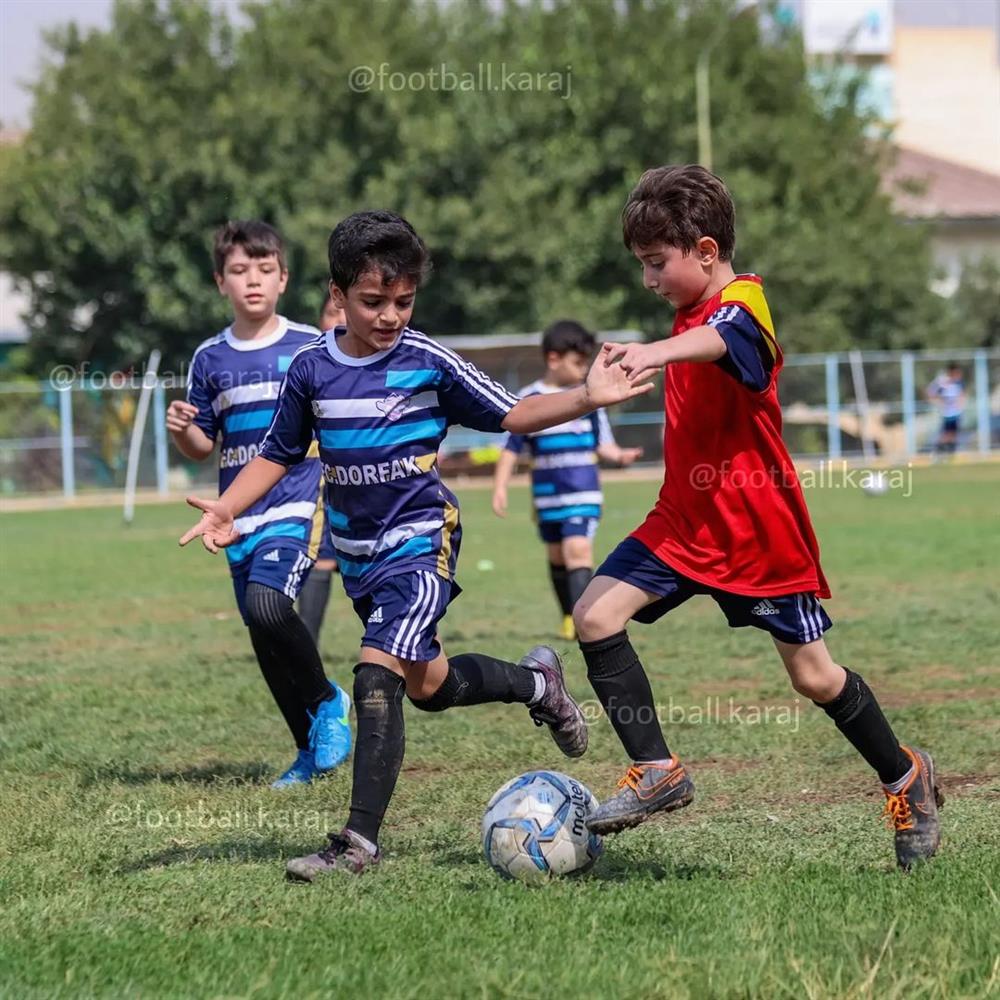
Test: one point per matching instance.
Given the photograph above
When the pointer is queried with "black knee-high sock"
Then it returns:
(560, 584)
(857, 714)
(477, 679)
(283, 690)
(272, 615)
(578, 580)
(313, 599)
(622, 686)
(378, 748)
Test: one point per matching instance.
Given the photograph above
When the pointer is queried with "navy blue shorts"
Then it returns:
(949, 425)
(792, 618)
(401, 614)
(281, 568)
(572, 527)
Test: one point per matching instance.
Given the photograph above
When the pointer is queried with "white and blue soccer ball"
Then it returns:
(535, 827)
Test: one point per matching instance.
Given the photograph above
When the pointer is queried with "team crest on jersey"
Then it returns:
(392, 406)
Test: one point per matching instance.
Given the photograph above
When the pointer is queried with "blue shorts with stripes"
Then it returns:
(572, 527)
(792, 618)
(281, 568)
(401, 614)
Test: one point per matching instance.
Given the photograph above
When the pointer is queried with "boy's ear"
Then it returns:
(284, 280)
(707, 250)
(218, 281)
(339, 298)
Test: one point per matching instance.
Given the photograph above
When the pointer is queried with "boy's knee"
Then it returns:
(592, 621)
(820, 686)
(267, 610)
(377, 690)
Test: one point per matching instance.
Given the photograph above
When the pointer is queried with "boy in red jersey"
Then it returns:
(730, 521)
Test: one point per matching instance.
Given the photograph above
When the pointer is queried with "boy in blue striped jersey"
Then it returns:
(565, 485)
(233, 384)
(381, 397)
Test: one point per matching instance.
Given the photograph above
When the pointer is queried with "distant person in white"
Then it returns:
(947, 393)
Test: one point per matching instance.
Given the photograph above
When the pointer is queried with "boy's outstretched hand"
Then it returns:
(634, 359)
(608, 383)
(215, 527)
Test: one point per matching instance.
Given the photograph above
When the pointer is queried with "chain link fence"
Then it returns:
(75, 438)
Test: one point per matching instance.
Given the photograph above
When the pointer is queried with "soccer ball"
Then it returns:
(534, 828)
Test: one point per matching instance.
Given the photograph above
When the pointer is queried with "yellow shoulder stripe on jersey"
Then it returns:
(426, 462)
(750, 295)
(313, 451)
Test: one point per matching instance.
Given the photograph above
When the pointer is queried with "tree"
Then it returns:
(147, 135)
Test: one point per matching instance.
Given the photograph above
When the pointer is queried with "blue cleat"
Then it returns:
(302, 771)
(330, 733)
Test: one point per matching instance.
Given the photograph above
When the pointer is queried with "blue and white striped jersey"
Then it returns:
(380, 420)
(234, 383)
(950, 392)
(564, 477)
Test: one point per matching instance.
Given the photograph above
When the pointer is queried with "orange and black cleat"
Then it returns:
(913, 812)
(645, 789)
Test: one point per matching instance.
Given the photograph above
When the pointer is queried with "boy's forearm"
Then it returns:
(702, 343)
(536, 413)
(505, 466)
(257, 477)
(193, 442)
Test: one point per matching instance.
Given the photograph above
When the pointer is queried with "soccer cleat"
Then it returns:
(330, 732)
(568, 630)
(913, 812)
(645, 789)
(556, 708)
(302, 771)
(345, 853)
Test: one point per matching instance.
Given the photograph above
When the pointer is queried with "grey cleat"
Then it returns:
(913, 812)
(556, 708)
(344, 853)
(645, 789)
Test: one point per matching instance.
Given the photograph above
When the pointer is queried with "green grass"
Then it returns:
(141, 851)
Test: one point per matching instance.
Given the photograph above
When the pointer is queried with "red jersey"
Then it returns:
(731, 513)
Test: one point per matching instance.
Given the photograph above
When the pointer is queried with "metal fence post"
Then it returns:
(160, 436)
(982, 400)
(909, 403)
(66, 441)
(832, 407)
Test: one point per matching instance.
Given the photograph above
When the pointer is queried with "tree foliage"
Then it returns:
(147, 135)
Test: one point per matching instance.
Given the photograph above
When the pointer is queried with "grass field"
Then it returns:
(142, 852)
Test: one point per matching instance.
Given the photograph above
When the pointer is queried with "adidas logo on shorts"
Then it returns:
(764, 608)
(375, 618)
(273, 556)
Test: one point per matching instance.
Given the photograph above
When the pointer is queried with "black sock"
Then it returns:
(578, 580)
(273, 617)
(477, 679)
(313, 599)
(378, 748)
(560, 583)
(283, 690)
(857, 715)
(617, 677)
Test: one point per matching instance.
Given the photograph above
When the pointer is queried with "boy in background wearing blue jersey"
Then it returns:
(381, 397)
(565, 484)
(232, 388)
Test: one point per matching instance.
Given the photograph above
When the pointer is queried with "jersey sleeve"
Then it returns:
(292, 429)
(748, 358)
(470, 397)
(199, 393)
(514, 443)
